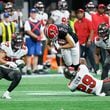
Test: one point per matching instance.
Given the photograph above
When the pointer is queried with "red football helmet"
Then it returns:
(52, 32)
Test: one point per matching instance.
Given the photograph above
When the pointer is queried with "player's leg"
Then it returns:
(67, 57)
(105, 71)
(75, 55)
(11, 75)
(59, 60)
(106, 68)
(106, 86)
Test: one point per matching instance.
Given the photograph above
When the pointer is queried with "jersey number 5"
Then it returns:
(88, 83)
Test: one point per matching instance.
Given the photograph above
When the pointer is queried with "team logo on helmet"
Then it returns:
(51, 32)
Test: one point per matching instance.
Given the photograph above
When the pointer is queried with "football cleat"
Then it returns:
(6, 95)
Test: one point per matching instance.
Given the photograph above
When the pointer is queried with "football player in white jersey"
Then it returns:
(90, 9)
(75, 69)
(62, 14)
(43, 17)
(11, 63)
(85, 82)
(103, 41)
(63, 7)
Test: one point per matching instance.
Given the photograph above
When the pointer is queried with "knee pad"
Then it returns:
(15, 75)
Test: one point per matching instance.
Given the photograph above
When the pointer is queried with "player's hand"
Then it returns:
(57, 46)
(11, 64)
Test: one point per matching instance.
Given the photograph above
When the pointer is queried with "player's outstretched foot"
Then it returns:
(6, 95)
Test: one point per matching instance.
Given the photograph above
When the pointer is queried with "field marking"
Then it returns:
(47, 75)
(54, 93)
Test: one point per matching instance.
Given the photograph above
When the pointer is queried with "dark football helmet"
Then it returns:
(8, 7)
(103, 30)
(62, 5)
(40, 6)
(90, 5)
(17, 41)
(108, 7)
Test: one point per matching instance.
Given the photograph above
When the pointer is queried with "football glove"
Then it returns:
(20, 63)
(57, 46)
(11, 64)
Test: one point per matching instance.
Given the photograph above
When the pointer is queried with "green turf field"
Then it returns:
(49, 93)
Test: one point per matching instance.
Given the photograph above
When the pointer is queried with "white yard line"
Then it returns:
(52, 93)
(48, 75)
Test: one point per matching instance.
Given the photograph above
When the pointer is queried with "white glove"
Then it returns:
(56, 45)
(11, 64)
(53, 51)
(19, 62)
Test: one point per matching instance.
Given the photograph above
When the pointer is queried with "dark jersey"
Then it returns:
(64, 30)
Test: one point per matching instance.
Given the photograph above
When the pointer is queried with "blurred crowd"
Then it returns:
(42, 57)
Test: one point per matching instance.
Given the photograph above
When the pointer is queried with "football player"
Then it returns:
(103, 41)
(11, 62)
(65, 41)
(85, 82)
(61, 15)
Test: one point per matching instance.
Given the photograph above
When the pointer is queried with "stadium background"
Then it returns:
(73, 4)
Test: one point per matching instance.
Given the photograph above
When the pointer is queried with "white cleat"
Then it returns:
(99, 72)
(6, 95)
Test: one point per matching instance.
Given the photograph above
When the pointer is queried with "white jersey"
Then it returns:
(65, 16)
(55, 15)
(99, 42)
(43, 16)
(6, 46)
(60, 16)
(85, 82)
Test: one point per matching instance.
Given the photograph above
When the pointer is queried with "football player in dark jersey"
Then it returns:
(65, 41)
(103, 41)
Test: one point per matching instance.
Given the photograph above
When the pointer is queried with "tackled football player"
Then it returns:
(75, 68)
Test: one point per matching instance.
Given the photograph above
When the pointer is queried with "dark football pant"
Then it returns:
(10, 75)
(106, 86)
(106, 67)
